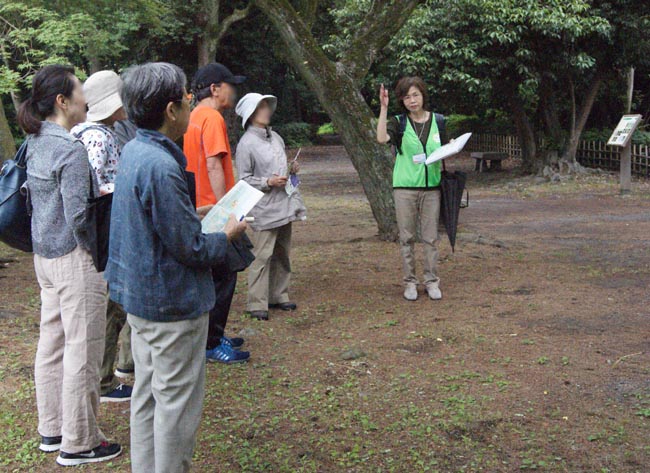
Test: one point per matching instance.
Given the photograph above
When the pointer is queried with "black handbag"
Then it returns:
(98, 218)
(15, 210)
(239, 255)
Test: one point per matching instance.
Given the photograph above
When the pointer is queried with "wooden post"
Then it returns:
(626, 152)
(626, 169)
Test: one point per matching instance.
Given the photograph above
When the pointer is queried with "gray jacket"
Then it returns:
(260, 154)
(59, 181)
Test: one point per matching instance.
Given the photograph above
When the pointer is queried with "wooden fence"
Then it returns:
(590, 153)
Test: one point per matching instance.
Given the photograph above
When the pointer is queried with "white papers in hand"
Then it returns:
(449, 149)
(238, 201)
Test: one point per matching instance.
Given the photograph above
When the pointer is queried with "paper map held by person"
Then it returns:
(449, 149)
(238, 201)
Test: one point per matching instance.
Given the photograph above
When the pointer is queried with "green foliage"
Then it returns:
(493, 122)
(326, 129)
(295, 134)
(37, 33)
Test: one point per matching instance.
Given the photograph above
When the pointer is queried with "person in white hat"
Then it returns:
(262, 162)
(102, 92)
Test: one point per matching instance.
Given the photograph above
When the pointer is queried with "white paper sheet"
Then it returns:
(449, 149)
(238, 201)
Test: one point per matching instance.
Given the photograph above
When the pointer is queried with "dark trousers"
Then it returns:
(224, 290)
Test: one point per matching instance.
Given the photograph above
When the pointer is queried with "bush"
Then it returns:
(495, 122)
(295, 134)
(326, 129)
(459, 124)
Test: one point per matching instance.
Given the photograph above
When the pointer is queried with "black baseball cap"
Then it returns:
(214, 73)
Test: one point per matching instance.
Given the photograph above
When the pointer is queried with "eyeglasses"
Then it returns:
(414, 96)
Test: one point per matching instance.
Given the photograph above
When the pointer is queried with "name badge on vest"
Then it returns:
(419, 158)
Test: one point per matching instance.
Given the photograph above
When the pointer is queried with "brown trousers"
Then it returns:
(117, 328)
(413, 207)
(70, 349)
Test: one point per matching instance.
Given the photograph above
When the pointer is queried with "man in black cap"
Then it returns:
(207, 149)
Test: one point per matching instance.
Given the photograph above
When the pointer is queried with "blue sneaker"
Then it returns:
(226, 354)
(234, 342)
(119, 394)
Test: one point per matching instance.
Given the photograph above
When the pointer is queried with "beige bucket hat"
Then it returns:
(102, 92)
(248, 104)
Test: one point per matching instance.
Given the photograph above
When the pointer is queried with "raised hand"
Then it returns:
(383, 96)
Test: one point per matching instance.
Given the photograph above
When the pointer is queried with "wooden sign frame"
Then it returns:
(624, 130)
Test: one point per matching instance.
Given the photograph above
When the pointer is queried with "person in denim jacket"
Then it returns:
(159, 270)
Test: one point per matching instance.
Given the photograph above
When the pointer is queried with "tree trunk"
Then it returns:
(551, 115)
(335, 86)
(353, 118)
(214, 29)
(207, 50)
(526, 134)
(7, 143)
(569, 155)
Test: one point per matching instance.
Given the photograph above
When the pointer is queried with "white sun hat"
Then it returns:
(102, 92)
(248, 104)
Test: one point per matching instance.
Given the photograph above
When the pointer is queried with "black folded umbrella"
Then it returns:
(452, 185)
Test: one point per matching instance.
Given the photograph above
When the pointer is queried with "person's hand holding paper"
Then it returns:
(450, 149)
(238, 202)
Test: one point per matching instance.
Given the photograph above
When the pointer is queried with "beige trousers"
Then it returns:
(269, 275)
(70, 349)
(413, 207)
(167, 398)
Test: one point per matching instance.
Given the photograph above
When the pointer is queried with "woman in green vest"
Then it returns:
(416, 185)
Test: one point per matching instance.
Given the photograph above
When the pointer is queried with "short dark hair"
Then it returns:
(148, 88)
(203, 93)
(47, 83)
(404, 85)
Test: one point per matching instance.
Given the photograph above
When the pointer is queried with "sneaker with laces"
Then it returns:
(235, 342)
(104, 452)
(50, 444)
(119, 394)
(226, 354)
(411, 292)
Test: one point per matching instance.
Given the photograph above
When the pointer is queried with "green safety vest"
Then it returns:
(406, 173)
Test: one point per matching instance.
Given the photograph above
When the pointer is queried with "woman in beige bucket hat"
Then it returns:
(102, 92)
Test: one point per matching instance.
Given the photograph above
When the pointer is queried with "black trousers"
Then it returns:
(224, 289)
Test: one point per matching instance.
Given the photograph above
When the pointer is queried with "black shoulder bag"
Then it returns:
(98, 218)
(15, 208)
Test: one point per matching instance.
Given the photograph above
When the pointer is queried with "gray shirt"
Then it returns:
(260, 154)
(59, 181)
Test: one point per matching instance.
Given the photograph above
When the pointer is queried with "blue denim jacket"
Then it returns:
(159, 260)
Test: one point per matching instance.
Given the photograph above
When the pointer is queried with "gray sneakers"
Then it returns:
(411, 292)
(433, 290)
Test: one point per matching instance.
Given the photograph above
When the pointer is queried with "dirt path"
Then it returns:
(536, 358)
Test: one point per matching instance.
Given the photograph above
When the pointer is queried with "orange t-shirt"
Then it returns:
(207, 135)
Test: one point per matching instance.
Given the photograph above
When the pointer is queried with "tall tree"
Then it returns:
(214, 26)
(336, 82)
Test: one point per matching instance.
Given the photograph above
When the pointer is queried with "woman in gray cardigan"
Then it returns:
(73, 293)
(262, 162)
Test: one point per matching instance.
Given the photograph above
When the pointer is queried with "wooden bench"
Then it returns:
(483, 157)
